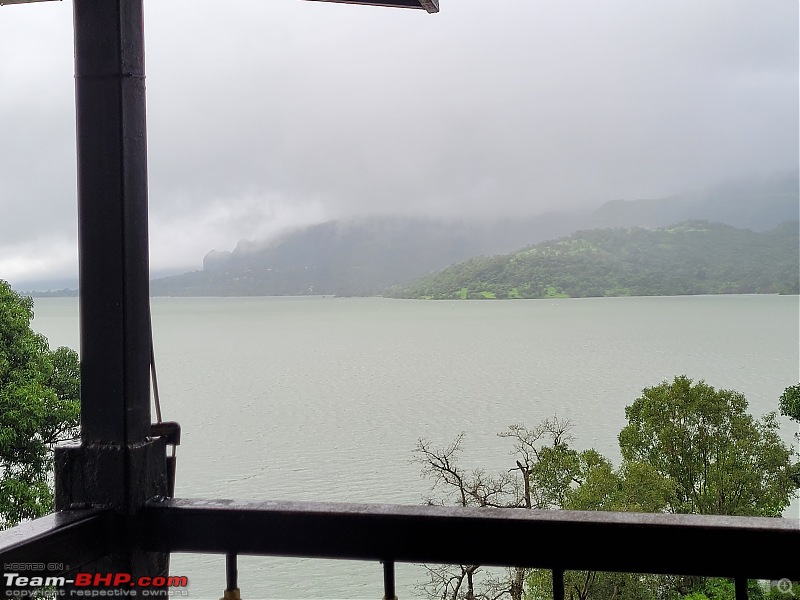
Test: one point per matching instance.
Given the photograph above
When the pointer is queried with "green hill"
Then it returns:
(693, 257)
(353, 258)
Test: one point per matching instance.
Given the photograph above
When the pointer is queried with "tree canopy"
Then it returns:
(789, 402)
(39, 406)
(687, 448)
(714, 456)
(693, 257)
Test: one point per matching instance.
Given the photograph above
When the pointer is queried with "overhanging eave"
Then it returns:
(432, 6)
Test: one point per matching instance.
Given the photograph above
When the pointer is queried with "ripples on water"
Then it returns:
(324, 399)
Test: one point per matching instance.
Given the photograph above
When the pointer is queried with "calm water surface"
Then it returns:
(324, 398)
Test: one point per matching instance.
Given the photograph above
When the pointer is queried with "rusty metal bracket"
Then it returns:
(169, 430)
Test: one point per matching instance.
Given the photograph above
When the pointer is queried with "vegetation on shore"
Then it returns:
(693, 257)
(687, 448)
(39, 407)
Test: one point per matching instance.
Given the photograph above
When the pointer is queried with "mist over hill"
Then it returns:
(757, 204)
(353, 258)
(366, 256)
(689, 258)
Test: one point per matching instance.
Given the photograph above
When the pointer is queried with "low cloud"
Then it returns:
(265, 115)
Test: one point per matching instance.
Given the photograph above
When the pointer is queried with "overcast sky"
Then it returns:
(264, 114)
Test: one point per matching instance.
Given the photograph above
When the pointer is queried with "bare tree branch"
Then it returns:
(509, 489)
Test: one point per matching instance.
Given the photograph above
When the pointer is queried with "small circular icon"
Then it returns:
(785, 586)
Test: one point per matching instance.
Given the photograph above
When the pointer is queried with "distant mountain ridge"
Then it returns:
(351, 258)
(759, 205)
(366, 256)
(693, 257)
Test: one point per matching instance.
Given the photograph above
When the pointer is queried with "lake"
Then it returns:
(323, 399)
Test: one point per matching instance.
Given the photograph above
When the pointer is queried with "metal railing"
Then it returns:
(110, 488)
(740, 548)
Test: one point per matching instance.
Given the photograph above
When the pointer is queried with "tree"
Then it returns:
(546, 473)
(789, 403)
(713, 456)
(687, 448)
(543, 466)
(39, 407)
(596, 485)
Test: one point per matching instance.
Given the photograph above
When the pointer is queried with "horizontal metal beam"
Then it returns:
(2, 2)
(432, 6)
(751, 547)
(72, 539)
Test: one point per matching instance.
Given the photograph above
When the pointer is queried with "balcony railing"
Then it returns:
(740, 548)
(111, 490)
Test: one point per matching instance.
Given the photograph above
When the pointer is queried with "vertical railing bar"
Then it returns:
(558, 584)
(388, 580)
(740, 587)
(231, 574)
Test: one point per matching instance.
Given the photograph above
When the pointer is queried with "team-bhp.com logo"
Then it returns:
(92, 584)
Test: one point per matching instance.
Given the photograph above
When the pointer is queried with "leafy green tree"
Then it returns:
(719, 588)
(687, 448)
(594, 484)
(543, 469)
(789, 403)
(713, 456)
(633, 487)
(594, 585)
(693, 257)
(547, 474)
(39, 406)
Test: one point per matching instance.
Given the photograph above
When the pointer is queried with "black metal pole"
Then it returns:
(740, 588)
(558, 584)
(388, 581)
(117, 465)
(231, 573)
(112, 221)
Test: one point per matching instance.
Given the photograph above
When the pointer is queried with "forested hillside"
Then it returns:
(693, 257)
(353, 258)
(363, 257)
